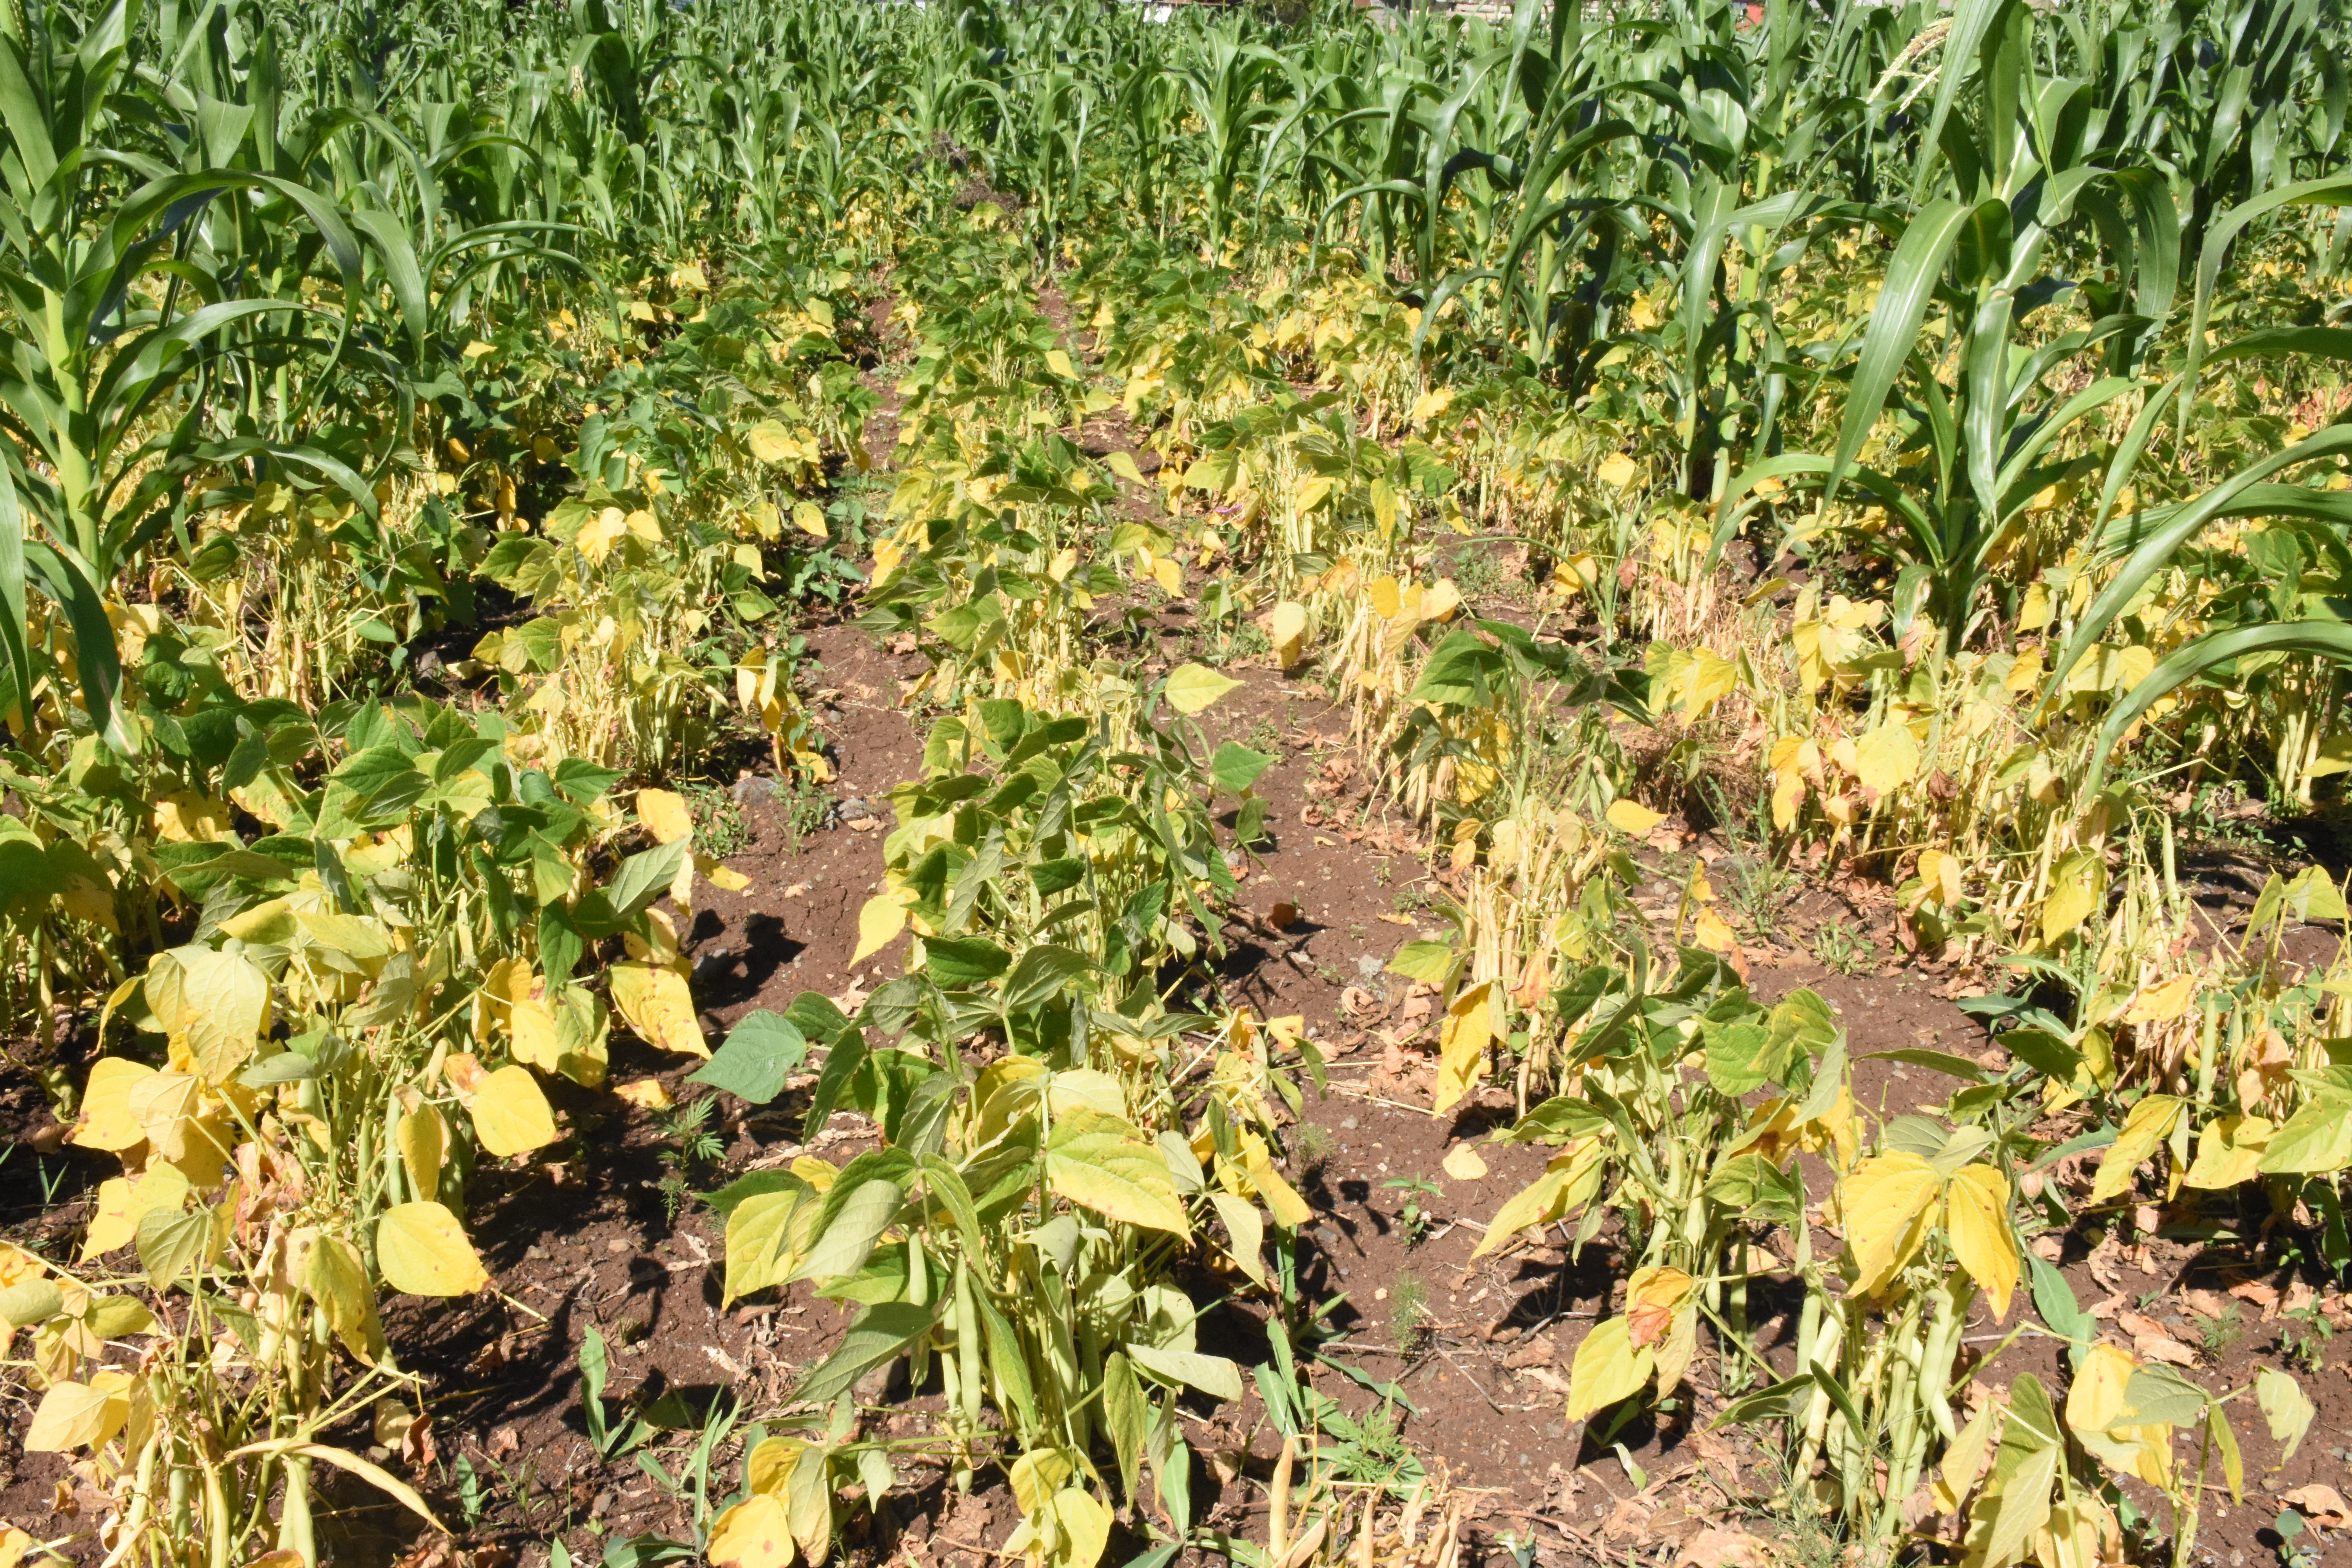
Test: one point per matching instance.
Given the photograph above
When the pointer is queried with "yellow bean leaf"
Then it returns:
(420, 1249)
(531, 1033)
(2229, 1153)
(1653, 1298)
(1281, 1199)
(882, 918)
(755, 1533)
(1631, 816)
(1193, 687)
(1286, 629)
(1957, 1474)
(336, 1280)
(422, 1140)
(1883, 1204)
(771, 442)
(1245, 1230)
(2162, 1002)
(1097, 1161)
(665, 816)
(1462, 1045)
(510, 1113)
(106, 1119)
(1607, 1369)
(2147, 1127)
(809, 518)
(659, 1005)
(597, 536)
(1540, 1201)
(2073, 894)
(74, 1415)
(1084, 1528)
(1886, 758)
(217, 1004)
(1976, 1215)
(1463, 1164)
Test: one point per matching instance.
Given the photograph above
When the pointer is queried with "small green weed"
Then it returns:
(719, 829)
(2218, 1334)
(1413, 1215)
(1368, 1449)
(1408, 1311)
(2303, 1335)
(1481, 573)
(1312, 1146)
(1842, 949)
(693, 1142)
(805, 807)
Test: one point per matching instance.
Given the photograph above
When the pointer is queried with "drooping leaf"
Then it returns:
(421, 1248)
(1606, 1370)
(1976, 1215)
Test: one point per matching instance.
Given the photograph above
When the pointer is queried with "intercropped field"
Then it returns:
(1100, 785)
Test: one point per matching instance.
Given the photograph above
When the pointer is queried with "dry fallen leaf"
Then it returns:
(1715, 1451)
(2141, 1327)
(1396, 919)
(1537, 1351)
(1716, 1547)
(649, 1093)
(2259, 1294)
(1462, 1163)
(1543, 1377)
(2204, 1303)
(2151, 1348)
(1628, 1520)
(2320, 1504)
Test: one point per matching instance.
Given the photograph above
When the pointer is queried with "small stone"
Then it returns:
(1349, 1123)
(753, 791)
(1369, 964)
(535, 1254)
(617, 1247)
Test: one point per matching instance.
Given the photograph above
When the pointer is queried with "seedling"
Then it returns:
(2303, 1334)
(1413, 1215)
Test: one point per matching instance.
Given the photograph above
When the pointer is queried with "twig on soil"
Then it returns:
(1373, 1099)
(1471, 1380)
